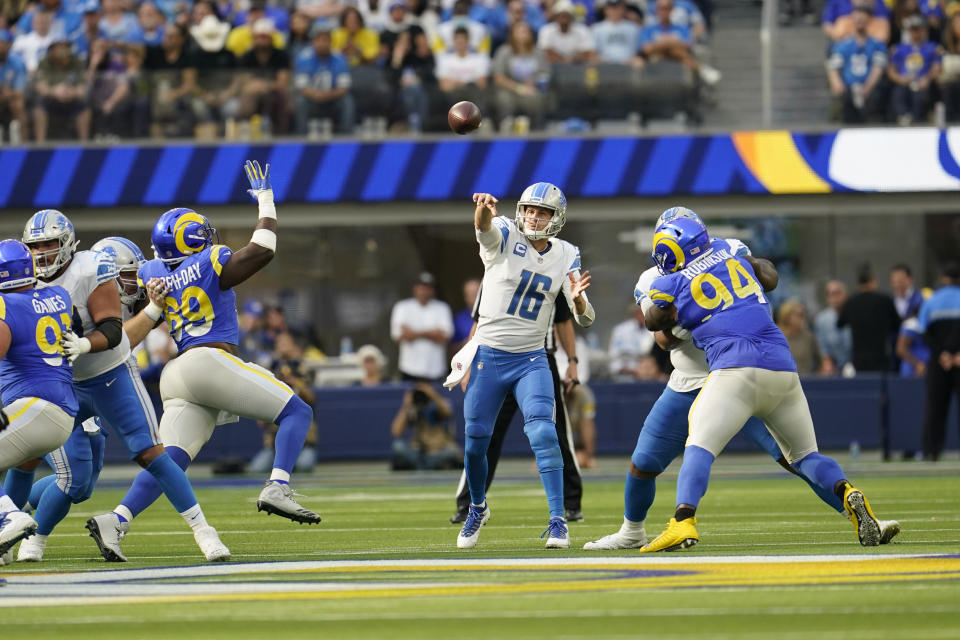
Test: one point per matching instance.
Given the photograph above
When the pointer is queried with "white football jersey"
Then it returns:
(520, 287)
(87, 271)
(690, 367)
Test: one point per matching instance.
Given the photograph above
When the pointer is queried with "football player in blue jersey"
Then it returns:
(717, 296)
(107, 381)
(84, 450)
(664, 431)
(36, 378)
(190, 282)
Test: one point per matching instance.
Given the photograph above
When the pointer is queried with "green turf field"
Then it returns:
(384, 563)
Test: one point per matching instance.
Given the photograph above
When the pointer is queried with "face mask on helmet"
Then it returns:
(17, 268)
(678, 243)
(179, 233)
(545, 196)
(673, 213)
(50, 226)
(128, 259)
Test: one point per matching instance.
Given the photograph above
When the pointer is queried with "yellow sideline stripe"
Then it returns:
(240, 363)
(776, 163)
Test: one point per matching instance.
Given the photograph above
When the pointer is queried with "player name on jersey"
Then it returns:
(52, 304)
(705, 262)
(180, 279)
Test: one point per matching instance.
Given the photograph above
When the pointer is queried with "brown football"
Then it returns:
(464, 117)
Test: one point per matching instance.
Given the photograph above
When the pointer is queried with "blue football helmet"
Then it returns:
(17, 268)
(673, 213)
(179, 233)
(678, 243)
(129, 259)
(548, 196)
(46, 225)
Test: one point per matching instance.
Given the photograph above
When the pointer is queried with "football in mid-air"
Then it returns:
(464, 117)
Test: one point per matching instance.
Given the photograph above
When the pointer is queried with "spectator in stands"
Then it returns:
(412, 70)
(648, 370)
(940, 323)
(201, 9)
(565, 41)
(240, 39)
(373, 361)
(931, 11)
(320, 9)
(423, 326)
(10, 12)
(252, 343)
(906, 297)
(61, 88)
(616, 37)
(117, 25)
(478, 38)
(581, 407)
(151, 25)
(789, 9)
(684, 14)
(837, 19)
(353, 40)
(266, 80)
(216, 96)
(873, 322)
(629, 341)
(914, 68)
(322, 84)
(13, 83)
(174, 75)
(229, 11)
(398, 21)
(792, 320)
(422, 432)
(521, 73)
(855, 69)
(87, 32)
(64, 20)
(521, 11)
(463, 319)
(836, 343)
(463, 75)
(299, 34)
(950, 76)
(31, 46)
(288, 366)
(663, 39)
(111, 98)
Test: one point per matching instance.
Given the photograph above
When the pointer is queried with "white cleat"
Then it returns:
(557, 535)
(14, 527)
(107, 531)
(470, 533)
(618, 540)
(209, 542)
(31, 549)
(277, 498)
(888, 530)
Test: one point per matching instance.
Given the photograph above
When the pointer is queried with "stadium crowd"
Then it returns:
(249, 68)
(895, 61)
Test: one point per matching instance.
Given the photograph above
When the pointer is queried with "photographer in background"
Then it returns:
(423, 432)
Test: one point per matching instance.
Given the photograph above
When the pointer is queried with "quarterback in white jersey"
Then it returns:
(525, 267)
(107, 383)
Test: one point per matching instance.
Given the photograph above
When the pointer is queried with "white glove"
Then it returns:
(74, 346)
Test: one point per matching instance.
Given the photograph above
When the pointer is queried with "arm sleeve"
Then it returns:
(562, 312)
(493, 242)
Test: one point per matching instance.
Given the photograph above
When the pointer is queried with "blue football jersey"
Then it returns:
(196, 310)
(35, 366)
(720, 301)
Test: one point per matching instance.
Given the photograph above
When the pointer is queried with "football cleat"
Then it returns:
(557, 535)
(14, 527)
(888, 530)
(861, 515)
(470, 533)
(31, 549)
(573, 515)
(209, 542)
(460, 515)
(277, 498)
(619, 540)
(107, 531)
(677, 535)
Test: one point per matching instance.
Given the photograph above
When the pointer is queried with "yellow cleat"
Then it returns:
(677, 535)
(861, 515)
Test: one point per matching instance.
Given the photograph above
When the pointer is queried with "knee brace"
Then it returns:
(543, 440)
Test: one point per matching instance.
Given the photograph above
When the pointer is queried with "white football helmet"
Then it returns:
(50, 224)
(677, 212)
(548, 196)
(129, 259)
